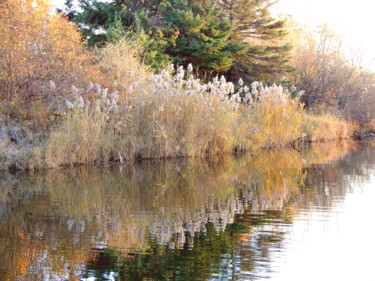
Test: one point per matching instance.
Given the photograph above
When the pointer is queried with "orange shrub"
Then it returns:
(36, 46)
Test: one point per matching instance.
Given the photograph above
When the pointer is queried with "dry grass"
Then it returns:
(78, 140)
(270, 125)
(24, 150)
(137, 115)
(119, 62)
(326, 127)
(170, 114)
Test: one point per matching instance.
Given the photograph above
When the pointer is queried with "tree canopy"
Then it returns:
(236, 37)
(267, 55)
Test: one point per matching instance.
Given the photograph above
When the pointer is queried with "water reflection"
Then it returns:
(186, 219)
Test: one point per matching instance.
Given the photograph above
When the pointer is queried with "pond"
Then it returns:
(280, 215)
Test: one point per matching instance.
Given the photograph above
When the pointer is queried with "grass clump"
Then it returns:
(325, 127)
(78, 140)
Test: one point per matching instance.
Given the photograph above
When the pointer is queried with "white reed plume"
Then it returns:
(68, 104)
(106, 101)
(51, 85)
(79, 103)
(170, 67)
(254, 85)
(89, 87)
(104, 93)
(97, 89)
(190, 67)
(113, 96)
(180, 76)
(300, 94)
(240, 82)
(230, 88)
(97, 106)
(202, 89)
(74, 90)
(165, 86)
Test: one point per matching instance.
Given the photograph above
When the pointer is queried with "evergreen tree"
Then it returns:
(93, 18)
(267, 55)
(178, 31)
(203, 37)
(238, 37)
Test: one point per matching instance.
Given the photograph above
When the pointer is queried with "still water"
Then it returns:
(282, 215)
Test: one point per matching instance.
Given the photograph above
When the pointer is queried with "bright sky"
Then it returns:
(355, 20)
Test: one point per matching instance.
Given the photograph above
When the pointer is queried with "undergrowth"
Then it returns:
(133, 114)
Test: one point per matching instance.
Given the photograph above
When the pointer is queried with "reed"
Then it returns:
(133, 114)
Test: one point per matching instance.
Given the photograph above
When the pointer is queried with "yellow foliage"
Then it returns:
(36, 46)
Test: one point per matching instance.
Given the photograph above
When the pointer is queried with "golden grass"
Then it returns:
(119, 62)
(270, 125)
(78, 140)
(170, 114)
(326, 127)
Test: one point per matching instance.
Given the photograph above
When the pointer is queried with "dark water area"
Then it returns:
(282, 215)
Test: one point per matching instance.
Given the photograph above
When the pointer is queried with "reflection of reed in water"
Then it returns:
(58, 216)
(324, 183)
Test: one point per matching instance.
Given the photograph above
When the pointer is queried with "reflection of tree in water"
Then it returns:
(55, 219)
(324, 183)
(243, 246)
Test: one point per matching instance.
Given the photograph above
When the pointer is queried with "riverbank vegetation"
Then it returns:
(130, 93)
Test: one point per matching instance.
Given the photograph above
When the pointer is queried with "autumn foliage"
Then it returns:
(36, 46)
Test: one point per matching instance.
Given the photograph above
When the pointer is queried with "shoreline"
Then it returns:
(297, 145)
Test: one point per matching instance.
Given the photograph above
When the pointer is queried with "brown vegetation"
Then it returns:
(60, 118)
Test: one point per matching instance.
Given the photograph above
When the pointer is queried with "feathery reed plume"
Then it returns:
(51, 85)
(74, 90)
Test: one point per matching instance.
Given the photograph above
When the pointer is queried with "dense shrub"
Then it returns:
(37, 46)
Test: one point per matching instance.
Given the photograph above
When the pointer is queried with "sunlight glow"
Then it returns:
(353, 20)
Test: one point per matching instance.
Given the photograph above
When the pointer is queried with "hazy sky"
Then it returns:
(354, 20)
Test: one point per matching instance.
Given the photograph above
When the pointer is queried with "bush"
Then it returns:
(37, 46)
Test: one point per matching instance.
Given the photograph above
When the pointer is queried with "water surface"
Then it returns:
(283, 215)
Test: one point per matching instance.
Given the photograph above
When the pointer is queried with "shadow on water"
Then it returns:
(157, 220)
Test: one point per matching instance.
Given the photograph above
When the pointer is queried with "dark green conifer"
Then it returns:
(238, 37)
(267, 55)
(203, 36)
